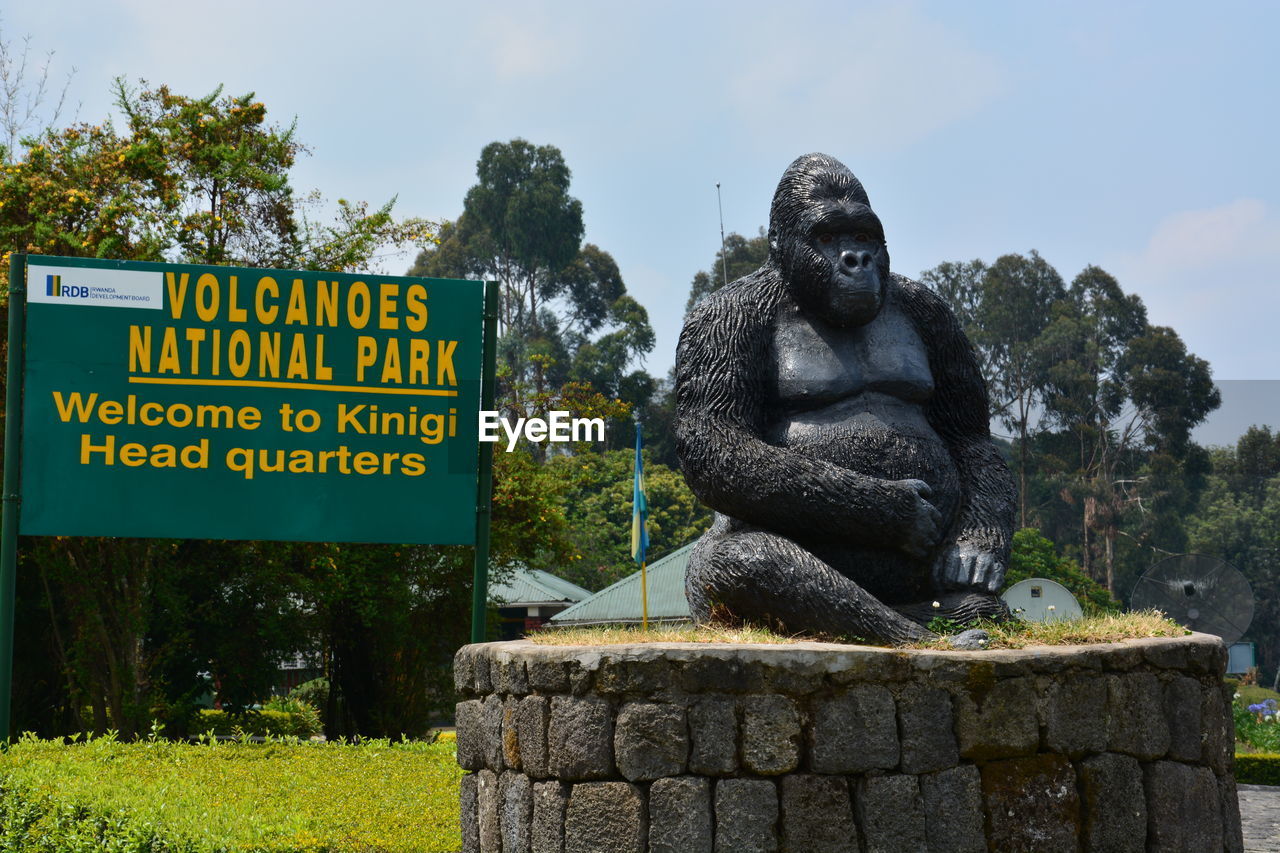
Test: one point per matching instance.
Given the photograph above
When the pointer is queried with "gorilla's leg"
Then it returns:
(759, 576)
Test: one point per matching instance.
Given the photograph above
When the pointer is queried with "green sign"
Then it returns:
(173, 400)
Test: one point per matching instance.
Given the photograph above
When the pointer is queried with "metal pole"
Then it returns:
(12, 481)
(724, 263)
(484, 494)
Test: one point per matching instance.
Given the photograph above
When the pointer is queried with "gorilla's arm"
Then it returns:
(958, 412)
(722, 392)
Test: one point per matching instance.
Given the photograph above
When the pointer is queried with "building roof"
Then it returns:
(525, 587)
(620, 603)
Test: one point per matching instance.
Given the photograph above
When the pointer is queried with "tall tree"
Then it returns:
(566, 315)
(738, 256)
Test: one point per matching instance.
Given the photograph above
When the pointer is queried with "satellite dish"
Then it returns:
(1203, 593)
(1041, 600)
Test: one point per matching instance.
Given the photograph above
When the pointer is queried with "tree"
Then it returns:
(131, 623)
(566, 316)
(738, 257)
(595, 494)
(1034, 556)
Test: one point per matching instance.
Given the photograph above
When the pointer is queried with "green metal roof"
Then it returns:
(620, 603)
(534, 586)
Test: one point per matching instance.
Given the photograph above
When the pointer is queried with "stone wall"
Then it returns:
(685, 748)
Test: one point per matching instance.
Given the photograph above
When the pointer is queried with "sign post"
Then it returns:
(188, 401)
(12, 496)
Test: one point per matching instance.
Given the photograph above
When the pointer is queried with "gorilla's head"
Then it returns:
(827, 242)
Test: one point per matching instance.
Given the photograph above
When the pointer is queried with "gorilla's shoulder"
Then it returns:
(754, 295)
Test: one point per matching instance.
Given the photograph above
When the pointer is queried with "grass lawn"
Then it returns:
(1101, 628)
(161, 797)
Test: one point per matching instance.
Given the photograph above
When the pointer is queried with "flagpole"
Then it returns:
(644, 599)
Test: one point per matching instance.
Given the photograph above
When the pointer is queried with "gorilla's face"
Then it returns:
(828, 243)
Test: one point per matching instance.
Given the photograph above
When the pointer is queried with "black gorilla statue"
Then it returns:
(834, 416)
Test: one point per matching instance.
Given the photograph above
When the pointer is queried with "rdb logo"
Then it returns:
(55, 287)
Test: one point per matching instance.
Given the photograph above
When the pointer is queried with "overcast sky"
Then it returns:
(1141, 137)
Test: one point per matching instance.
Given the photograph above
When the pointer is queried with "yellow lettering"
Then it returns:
(326, 303)
(266, 316)
(366, 355)
(358, 305)
(387, 294)
(140, 348)
(195, 337)
(177, 293)
(391, 362)
(169, 352)
(269, 354)
(238, 355)
(444, 362)
(208, 297)
(419, 353)
(415, 300)
(298, 358)
(297, 312)
(235, 313)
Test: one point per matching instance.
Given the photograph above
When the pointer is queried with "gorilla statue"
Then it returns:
(834, 416)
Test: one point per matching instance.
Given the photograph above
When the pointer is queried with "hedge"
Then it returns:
(1258, 768)
(279, 797)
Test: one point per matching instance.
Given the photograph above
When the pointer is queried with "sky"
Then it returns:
(1140, 137)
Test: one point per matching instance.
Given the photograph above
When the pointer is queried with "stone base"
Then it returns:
(694, 748)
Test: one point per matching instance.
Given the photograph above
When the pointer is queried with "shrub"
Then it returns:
(302, 723)
(164, 797)
(1260, 768)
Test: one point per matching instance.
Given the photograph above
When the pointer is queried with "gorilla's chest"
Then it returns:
(816, 364)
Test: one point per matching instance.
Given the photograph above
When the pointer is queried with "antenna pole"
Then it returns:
(724, 263)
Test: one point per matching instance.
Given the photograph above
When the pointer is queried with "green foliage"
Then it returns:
(160, 797)
(314, 692)
(303, 722)
(596, 494)
(1100, 405)
(1258, 768)
(1034, 556)
(1238, 520)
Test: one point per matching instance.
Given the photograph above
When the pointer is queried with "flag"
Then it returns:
(639, 509)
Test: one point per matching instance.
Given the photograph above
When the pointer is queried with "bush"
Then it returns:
(163, 797)
(1260, 768)
(302, 723)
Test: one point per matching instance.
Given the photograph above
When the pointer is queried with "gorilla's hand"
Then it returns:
(923, 521)
(966, 566)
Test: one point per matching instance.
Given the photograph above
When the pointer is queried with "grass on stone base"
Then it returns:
(1102, 628)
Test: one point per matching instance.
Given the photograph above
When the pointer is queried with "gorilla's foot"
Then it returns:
(961, 607)
(760, 577)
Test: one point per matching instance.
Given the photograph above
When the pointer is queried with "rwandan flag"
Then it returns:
(640, 509)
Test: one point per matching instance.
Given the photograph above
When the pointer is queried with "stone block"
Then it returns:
(925, 725)
(746, 816)
(532, 718)
(770, 734)
(605, 817)
(1182, 712)
(464, 671)
(580, 738)
(488, 812)
(680, 815)
(547, 832)
(1031, 804)
(509, 675)
(469, 718)
(952, 802)
(1115, 806)
(635, 676)
(891, 814)
(1135, 716)
(998, 721)
(1217, 749)
(650, 741)
(1184, 807)
(1075, 715)
(468, 816)
(817, 814)
(1229, 804)
(713, 732)
(547, 676)
(516, 796)
(510, 733)
(491, 733)
(855, 731)
(719, 674)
